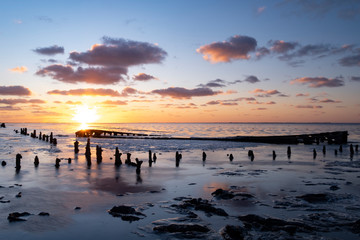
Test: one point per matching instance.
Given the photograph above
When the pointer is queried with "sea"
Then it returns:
(77, 195)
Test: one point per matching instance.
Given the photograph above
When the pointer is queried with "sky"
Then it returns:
(180, 60)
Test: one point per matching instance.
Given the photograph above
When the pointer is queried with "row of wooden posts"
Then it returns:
(44, 137)
(152, 156)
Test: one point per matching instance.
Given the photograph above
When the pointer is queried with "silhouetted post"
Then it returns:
(54, 141)
(351, 150)
(34, 134)
(76, 146)
(314, 153)
(138, 165)
(17, 163)
(324, 150)
(43, 137)
(57, 162)
(231, 157)
(51, 137)
(289, 152)
(40, 137)
(154, 157)
(150, 156)
(203, 156)
(274, 155)
(340, 149)
(98, 154)
(128, 160)
(88, 152)
(87, 148)
(335, 152)
(36, 161)
(251, 155)
(3, 163)
(177, 159)
(69, 160)
(47, 138)
(117, 157)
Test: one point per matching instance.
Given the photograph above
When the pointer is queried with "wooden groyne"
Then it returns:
(339, 137)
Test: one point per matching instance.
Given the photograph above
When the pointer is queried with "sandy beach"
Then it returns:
(288, 198)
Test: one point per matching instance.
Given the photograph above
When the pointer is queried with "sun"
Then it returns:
(84, 115)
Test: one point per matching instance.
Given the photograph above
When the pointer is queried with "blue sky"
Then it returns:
(273, 61)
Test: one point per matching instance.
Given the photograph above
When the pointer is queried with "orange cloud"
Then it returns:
(237, 47)
(87, 91)
(19, 69)
(317, 82)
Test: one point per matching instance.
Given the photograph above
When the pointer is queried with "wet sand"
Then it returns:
(314, 198)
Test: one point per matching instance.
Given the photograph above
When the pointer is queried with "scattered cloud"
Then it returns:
(280, 46)
(67, 74)
(355, 79)
(128, 91)
(45, 19)
(183, 93)
(308, 106)
(262, 52)
(260, 10)
(327, 100)
(350, 61)
(18, 21)
(302, 95)
(21, 101)
(74, 103)
(9, 108)
(50, 51)
(87, 92)
(120, 52)
(349, 9)
(237, 47)
(20, 69)
(266, 93)
(118, 102)
(143, 77)
(214, 83)
(14, 90)
(251, 79)
(317, 82)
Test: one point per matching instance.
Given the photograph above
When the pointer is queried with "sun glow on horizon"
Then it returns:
(84, 115)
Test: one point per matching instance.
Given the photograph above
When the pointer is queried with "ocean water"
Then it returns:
(274, 185)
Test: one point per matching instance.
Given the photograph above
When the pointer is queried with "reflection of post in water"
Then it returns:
(138, 178)
(154, 157)
(138, 166)
(203, 156)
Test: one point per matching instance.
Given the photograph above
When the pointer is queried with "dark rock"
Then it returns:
(4, 201)
(126, 213)
(315, 197)
(230, 232)
(356, 227)
(334, 188)
(16, 216)
(77, 208)
(252, 221)
(3, 163)
(18, 195)
(129, 218)
(44, 214)
(205, 206)
(182, 228)
(223, 194)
